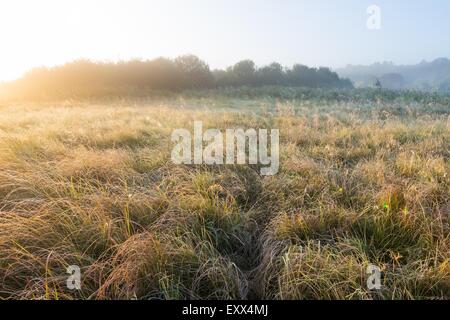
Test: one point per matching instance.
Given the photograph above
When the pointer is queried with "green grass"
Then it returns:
(91, 184)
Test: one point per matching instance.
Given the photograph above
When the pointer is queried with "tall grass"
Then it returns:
(93, 185)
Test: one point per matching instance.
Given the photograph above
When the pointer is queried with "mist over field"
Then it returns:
(257, 151)
(425, 76)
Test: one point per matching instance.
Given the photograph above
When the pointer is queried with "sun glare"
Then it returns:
(49, 32)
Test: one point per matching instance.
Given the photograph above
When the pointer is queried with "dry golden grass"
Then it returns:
(93, 185)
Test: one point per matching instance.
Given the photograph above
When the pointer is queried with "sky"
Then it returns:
(330, 33)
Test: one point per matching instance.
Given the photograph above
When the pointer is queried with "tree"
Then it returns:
(302, 76)
(195, 72)
(272, 74)
(393, 81)
(378, 84)
(243, 73)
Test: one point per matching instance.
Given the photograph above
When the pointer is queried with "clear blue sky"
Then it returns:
(314, 32)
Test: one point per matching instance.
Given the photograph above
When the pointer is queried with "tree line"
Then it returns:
(84, 77)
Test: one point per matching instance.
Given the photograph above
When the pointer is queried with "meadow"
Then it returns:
(363, 181)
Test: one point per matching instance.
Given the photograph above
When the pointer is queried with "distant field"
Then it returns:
(92, 184)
